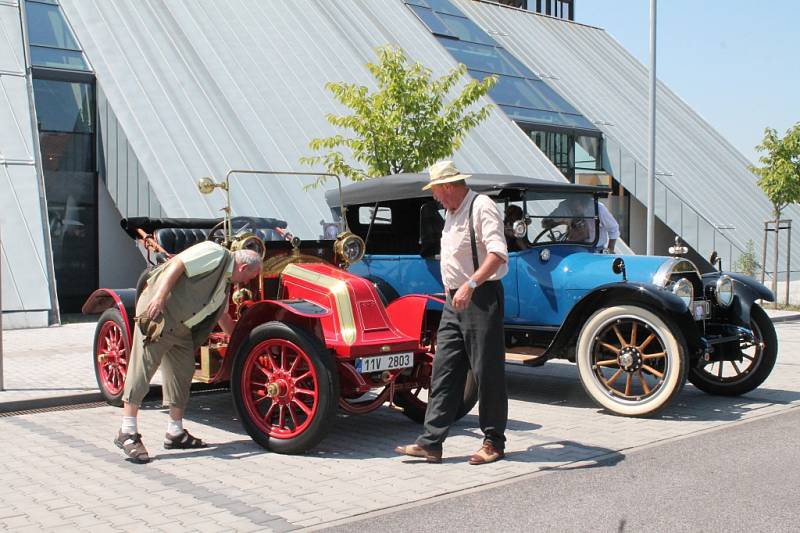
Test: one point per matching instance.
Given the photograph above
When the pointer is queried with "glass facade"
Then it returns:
(570, 140)
(51, 40)
(564, 9)
(63, 89)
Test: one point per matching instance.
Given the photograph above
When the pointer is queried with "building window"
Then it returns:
(548, 118)
(63, 91)
(52, 43)
(572, 152)
(65, 113)
(564, 9)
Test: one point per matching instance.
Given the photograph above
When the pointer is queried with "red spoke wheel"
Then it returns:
(748, 363)
(285, 388)
(111, 353)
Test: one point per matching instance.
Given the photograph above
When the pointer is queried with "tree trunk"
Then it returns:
(775, 261)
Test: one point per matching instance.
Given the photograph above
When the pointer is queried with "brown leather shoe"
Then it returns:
(487, 454)
(415, 450)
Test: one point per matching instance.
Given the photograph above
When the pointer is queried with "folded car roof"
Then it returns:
(402, 186)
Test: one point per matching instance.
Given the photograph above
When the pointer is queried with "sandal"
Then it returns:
(184, 441)
(132, 445)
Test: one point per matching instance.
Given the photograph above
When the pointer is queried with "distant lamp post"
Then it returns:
(651, 170)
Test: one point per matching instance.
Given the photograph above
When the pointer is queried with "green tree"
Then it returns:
(747, 263)
(407, 124)
(779, 177)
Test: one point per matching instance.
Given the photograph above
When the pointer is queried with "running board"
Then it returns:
(526, 355)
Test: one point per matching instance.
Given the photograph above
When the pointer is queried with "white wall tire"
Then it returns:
(630, 361)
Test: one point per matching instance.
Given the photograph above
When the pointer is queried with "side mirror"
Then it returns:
(618, 267)
(715, 260)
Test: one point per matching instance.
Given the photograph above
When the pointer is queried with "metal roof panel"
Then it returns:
(200, 87)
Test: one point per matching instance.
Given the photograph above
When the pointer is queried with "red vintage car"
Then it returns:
(310, 338)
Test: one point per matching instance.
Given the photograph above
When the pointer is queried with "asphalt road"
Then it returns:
(743, 477)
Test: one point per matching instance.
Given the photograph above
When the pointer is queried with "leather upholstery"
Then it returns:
(176, 240)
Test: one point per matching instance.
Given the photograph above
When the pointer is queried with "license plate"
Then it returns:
(700, 309)
(384, 362)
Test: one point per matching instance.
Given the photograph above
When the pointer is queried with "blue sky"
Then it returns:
(735, 62)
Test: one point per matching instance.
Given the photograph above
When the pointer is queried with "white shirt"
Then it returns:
(609, 228)
(456, 256)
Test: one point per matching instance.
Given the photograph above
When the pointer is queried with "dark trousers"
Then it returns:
(474, 339)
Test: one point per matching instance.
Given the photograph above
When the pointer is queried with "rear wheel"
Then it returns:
(285, 388)
(111, 355)
(414, 401)
(754, 362)
(630, 360)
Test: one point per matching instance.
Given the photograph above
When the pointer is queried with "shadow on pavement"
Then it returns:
(567, 450)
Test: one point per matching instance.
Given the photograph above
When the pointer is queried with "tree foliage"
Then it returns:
(747, 263)
(779, 177)
(405, 125)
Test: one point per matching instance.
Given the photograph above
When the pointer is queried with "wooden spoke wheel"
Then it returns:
(111, 353)
(749, 365)
(285, 388)
(630, 361)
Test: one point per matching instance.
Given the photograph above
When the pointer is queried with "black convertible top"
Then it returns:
(402, 186)
(149, 225)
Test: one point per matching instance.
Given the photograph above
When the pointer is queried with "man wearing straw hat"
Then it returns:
(474, 259)
(182, 301)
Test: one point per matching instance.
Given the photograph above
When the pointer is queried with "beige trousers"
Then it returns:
(173, 352)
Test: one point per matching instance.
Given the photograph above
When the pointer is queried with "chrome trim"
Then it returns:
(683, 282)
(723, 278)
(672, 266)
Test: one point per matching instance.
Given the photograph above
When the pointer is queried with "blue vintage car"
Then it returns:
(636, 326)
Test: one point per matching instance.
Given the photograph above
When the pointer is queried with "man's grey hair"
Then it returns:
(248, 258)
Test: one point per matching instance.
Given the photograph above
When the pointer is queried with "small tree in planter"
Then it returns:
(747, 263)
(405, 125)
(779, 178)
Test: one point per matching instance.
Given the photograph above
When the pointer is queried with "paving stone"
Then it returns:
(64, 463)
(18, 521)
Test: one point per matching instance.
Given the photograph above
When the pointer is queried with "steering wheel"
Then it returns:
(556, 235)
(238, 224)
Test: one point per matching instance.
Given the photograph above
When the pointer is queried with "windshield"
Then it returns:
(565, 218)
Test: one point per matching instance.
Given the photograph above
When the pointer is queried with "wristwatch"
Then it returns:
(471, 283)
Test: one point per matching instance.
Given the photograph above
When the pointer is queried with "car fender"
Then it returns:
(648, 295)
(407, 313)
(122, 299)
(299, 312)
(746, 291)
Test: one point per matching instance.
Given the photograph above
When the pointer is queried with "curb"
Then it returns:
(785, 318)
(49, 402)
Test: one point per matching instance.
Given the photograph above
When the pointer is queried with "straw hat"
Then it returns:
(444, 172)
(150, 328)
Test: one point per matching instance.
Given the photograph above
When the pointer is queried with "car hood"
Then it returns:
(585, 271)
